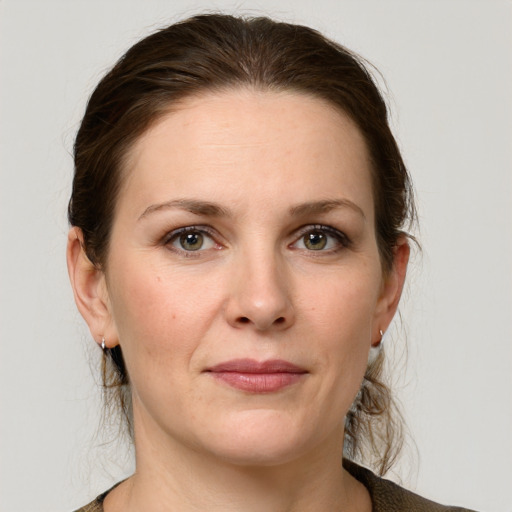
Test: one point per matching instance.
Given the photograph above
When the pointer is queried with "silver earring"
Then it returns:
(103, 344)
(375, 349)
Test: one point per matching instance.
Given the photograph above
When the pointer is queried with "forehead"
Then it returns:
(239, 140)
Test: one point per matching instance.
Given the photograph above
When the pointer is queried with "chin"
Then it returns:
(260, 438)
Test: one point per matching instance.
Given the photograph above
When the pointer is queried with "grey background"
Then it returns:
(449, 71)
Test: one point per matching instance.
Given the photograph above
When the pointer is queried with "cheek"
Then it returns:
(161, 314)
(341, 312)
(156, 335)
(138, 301)
(344, 305)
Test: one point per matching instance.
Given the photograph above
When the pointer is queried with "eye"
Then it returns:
(315, 241)
(321, 238)
(190, 239)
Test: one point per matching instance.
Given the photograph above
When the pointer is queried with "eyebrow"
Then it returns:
(318, 207)
(197, 207)
(209, 209)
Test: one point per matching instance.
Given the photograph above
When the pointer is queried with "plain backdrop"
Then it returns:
(448, 69)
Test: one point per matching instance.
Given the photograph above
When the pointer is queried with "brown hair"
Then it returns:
(214, 52)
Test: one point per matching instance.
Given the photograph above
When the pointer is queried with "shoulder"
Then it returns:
(97, 504)
(387, 496)
(94, 506)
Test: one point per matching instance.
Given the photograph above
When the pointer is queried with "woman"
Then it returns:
(238, 251)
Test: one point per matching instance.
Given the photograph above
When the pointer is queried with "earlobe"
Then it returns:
(89, 288)
(392, 288)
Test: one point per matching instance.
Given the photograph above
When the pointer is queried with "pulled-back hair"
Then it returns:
(218, 52)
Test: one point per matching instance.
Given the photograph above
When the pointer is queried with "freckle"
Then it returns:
(174, 316)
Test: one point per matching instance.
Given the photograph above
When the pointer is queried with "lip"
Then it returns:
(257, 376)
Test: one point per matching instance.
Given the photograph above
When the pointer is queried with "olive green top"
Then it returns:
(386, 496)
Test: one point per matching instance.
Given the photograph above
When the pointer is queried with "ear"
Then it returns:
(90, 290)
(392, 286)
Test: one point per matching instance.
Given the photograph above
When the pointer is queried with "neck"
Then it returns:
(171, 476)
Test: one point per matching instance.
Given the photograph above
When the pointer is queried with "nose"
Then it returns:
(260, 294)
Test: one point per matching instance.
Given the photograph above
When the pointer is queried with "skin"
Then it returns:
(254, 289)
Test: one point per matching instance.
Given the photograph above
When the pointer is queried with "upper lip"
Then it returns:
(253, 366)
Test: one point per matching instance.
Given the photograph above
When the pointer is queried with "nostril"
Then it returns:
(261, 324)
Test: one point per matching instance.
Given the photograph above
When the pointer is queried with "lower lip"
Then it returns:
(258, 382)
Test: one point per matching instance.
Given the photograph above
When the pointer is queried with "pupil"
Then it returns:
(315, 241)
(191, 241)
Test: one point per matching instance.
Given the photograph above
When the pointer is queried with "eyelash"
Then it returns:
(177, 233)
(342, 241)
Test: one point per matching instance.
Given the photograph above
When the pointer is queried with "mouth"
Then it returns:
(257, 377)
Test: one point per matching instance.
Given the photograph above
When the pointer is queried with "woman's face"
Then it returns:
(243, 279)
